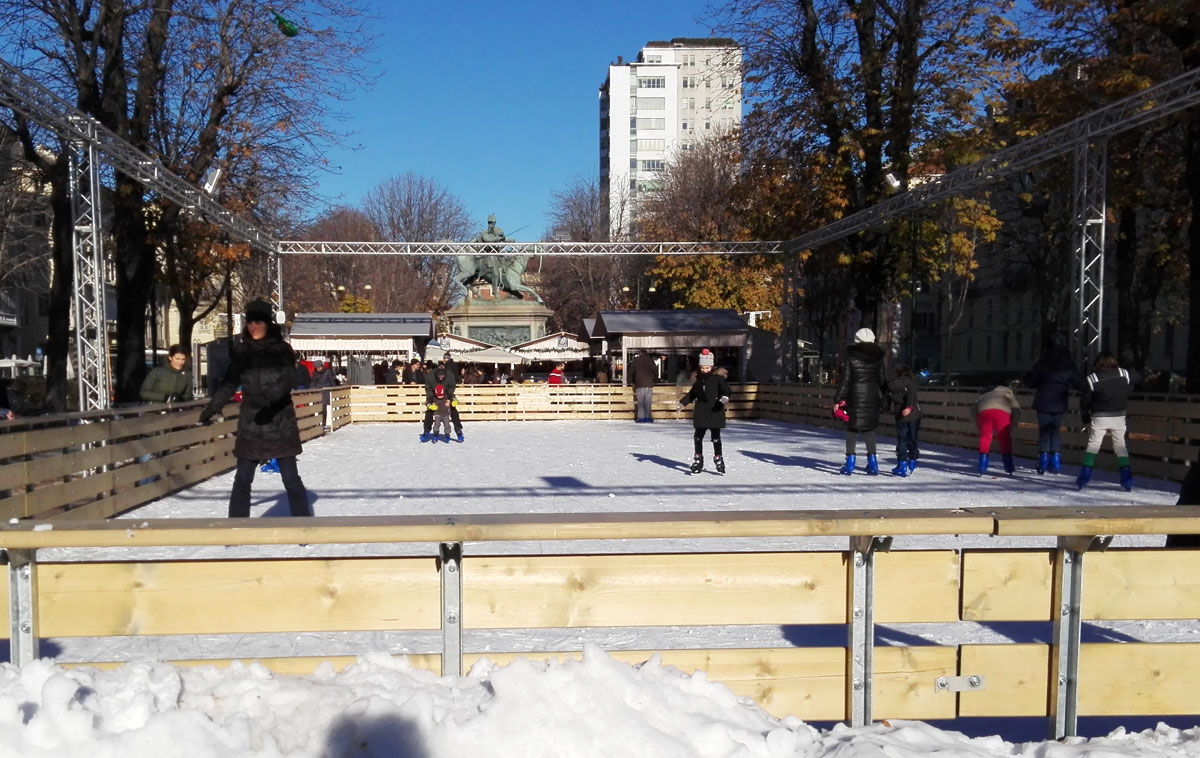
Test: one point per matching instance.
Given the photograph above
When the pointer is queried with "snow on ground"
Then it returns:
(594, 707)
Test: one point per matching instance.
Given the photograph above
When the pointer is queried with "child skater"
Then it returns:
(994, 414)
(908, 419)
(710, 392)
(441, 413)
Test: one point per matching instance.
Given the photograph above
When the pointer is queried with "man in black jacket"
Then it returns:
(1053, 376)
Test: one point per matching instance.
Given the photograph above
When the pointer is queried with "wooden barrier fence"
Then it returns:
(462, 584)
(100, 463)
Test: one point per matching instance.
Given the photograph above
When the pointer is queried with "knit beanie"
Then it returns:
(864, 335)
(706, 358)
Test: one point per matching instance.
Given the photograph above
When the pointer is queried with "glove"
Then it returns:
(206, 415)
(454, 403)
(171, 399)
(723, 399)
(433, 406)
(679, 407)
(1086, 418)
(264, 415)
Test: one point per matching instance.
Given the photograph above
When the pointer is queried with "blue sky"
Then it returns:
(497, 101)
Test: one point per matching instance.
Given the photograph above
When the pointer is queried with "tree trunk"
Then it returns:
(62, 288)
(1192, 182)
(135, 277)
(1129, 316)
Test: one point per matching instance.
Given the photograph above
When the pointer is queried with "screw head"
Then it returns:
(452, 618)
(858, 685)
(858, 613)
(974, 681)
(942, 684)
(26, 627)
(452, 567)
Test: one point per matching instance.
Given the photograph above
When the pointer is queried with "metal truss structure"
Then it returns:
(1085, 137)
(288, 247)
(91, 351)
(87, 140)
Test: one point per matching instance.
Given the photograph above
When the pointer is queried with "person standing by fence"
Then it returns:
(169, 383)
(908, 419)
(265, 367)
(642, 374)
(1105, 399)
(1053, 376)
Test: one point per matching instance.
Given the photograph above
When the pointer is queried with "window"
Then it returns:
(708, 103)
(689, 81)
(652, 103)
(633, 145)
(633, 164)
(652, 82)
(707, 124)
(652, 144)
(685, 145)
(683, 126)
(727, 82)
(651, 123)
(633, 122)
(652, 165)
(728, 104)
(685, 104)
(654, 59)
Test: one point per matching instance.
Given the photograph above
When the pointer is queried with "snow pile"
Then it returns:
(383, 707)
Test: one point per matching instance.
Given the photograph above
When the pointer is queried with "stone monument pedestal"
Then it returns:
(498, 318)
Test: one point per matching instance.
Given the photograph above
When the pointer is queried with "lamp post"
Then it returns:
(638, 300)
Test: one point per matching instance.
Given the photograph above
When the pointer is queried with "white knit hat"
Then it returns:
(706, 358)
(864, 335)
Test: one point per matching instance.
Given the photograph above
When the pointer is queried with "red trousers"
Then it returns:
(998, 423)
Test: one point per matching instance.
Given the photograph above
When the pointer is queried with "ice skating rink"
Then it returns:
(618, 466)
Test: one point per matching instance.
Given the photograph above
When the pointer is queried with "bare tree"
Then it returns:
(577, 212)
(414, 208)
(24, 220)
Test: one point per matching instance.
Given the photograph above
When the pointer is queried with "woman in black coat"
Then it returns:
(710, 392)
(265, 367)
(862, 386)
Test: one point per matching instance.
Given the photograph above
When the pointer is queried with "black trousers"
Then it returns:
(852, 439)
(698, 439)
(297, 495)
(427, 423)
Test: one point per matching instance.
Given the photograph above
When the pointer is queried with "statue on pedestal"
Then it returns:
(503, 272)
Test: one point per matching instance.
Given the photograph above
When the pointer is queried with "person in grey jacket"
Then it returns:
(642, 374)
(265, 367)
(1105, 399)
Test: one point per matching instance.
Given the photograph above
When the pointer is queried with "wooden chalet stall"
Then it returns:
(341, 335)
(678, 334)
(563, 347)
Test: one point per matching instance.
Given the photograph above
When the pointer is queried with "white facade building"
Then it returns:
(674, 95)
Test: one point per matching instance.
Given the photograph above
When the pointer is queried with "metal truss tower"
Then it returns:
(1091, 163)
(91, 331)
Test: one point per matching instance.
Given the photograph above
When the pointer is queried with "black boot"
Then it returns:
(719, 462)
(697, 464)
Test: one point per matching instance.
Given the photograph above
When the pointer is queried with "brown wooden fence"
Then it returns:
(97, 464)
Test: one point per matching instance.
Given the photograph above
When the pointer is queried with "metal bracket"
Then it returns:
(960, 683)
(449, 568)
(1067, 594)
(1097, 544)
(871, 544)
(22, 606)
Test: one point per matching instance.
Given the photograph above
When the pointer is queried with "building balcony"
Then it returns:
(10, 307)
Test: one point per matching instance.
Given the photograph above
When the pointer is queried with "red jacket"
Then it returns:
(556, 377)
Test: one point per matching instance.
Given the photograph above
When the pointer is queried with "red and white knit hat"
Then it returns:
(706, 357)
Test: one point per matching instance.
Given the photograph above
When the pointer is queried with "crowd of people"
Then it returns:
(865, 390)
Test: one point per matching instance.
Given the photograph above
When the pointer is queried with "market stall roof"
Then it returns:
(676, 328)
(359, 332)
(467, 350)
(560, 346)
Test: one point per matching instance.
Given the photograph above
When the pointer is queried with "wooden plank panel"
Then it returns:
(1141, 584)
(15, 505)
(57, 438)
(80, 490)
(12, 475)
(1138, 679)
(802, 682)
(1087, 521)
(1007, 585)
(1017, 680)
(906, 682)
(362, 594)
(297, 666)
(57, 466)
(4, 618)
(131, 497)
(508, 592)
(916, 585)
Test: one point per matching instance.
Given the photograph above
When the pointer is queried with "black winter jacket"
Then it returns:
(904, 395)
(707, 392)
(1053, 376)
(863, 385)
(266, 371)
(1107, 392)
(448, 385)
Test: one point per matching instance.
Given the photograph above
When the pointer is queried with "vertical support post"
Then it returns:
(91, 333)
(1064, 651)
(1090, 188)
(276, 274)
(450, 570)
(22, 606)
(860, 653)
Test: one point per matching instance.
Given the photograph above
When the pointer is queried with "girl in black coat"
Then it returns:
(265, 367)
(863, 386)
(710, 392)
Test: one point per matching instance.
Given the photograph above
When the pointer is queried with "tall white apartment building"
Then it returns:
(673, 96)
